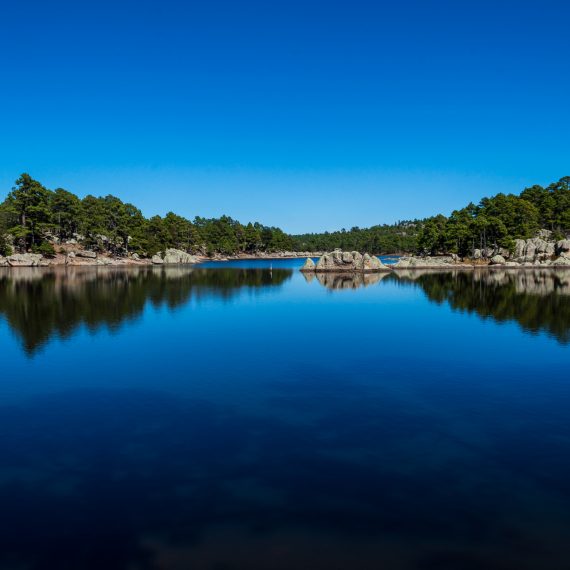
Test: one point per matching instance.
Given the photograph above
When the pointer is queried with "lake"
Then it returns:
(244, 416)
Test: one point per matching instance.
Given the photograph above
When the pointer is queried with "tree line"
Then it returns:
(36, 218)
(397, 238)
(494, 222)
(500, 220)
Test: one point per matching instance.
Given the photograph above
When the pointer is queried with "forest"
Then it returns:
(34, 218)
(494, 222)
(37, 219)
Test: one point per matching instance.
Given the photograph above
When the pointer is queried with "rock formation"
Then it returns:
(174, 257)
(25, 260)
(425, 262)
(345, 261)
(309, 265)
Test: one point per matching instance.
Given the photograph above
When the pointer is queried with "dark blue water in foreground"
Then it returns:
(230, 418)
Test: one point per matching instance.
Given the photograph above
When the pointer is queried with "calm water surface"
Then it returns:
(232, 417)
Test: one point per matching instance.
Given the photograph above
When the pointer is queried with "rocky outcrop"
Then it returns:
(174, 257)
(86, 254)
(3, 261)
(24, 260)
(177, 256)
(426, 262)
(309, 265)
(346, 261)
(497, 260)
(562, 261)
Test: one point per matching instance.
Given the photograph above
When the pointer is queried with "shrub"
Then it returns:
(45, 248)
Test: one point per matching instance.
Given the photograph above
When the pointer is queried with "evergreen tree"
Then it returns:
(28, 203)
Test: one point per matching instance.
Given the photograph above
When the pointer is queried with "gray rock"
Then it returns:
(177, 256)
(86, 254)
(309, 265)
(563, 261)
(402, 263)
(135, 256)
(544, 234)
(498, 260)
(562, 246)
(339, 261)
(157, 260)
(24, 260)
(520, 247)
(425, 262)
(3, 262)
(372, 263)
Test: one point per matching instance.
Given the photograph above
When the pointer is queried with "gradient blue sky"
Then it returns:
(308, 115)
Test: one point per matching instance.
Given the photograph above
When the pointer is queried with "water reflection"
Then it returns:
(345, 280)
(538, 300)
(39, 303)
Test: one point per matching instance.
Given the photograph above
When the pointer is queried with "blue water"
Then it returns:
(234, 417)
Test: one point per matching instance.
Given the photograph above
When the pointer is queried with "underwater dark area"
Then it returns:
(243, 415)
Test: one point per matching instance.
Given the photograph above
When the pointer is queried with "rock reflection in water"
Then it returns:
(538, 299)
(347, 280)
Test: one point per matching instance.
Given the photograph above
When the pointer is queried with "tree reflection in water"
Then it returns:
(537, 299)
(39, 303)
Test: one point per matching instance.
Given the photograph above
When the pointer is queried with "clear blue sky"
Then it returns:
(309, 115)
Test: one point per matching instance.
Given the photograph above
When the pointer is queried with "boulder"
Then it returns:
(544, 234)
(309, 265)
(562, 261)
(562, 246)
(497, 260)
(402, 263)
(425, 262)
(339, 261)
(3, 261)
(24, 260)
(104, 261)
(135, 257)
(520, 247)
(86, 254)
(177, 256)
(372, 263)
(157, 260)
